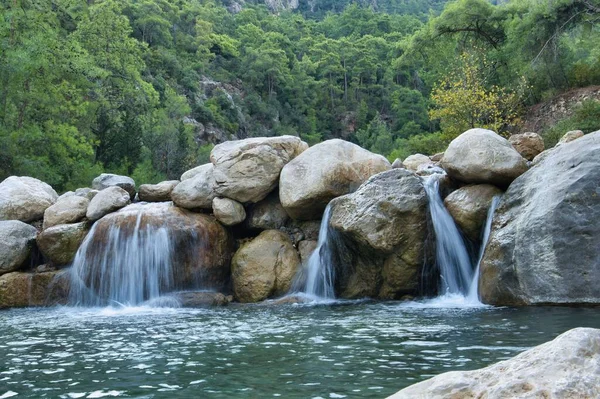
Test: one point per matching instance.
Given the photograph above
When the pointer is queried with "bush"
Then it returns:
(427, 144)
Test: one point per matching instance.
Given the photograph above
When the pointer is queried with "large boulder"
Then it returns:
(482, 156)
(383, 229)
(529, 144)
(228, 211)
(198, 191)
(107, 201)
(264, 267)
(25, 198)
(266, 214)
(325, 171)
(247, 170)
(157, 192)
(567, 367)
(60, 243)
(17, 239)
(106, 180)
(70, 209)
(544, 243)
(469, 206)
(34, 289)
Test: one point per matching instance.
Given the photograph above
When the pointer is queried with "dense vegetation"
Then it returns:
(145, 87)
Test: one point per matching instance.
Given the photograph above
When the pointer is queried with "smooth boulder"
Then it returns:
(198, 191)
(380, 231)
(228, 211)
(70, 209)
(566, 367)
(25, 198)
(60, 243)
(106, 201)
(482, 156)
(469, 206)
(528, 144)
(157, 192)
(17, 240)
(264, 267)
(248, 170)
(325, 171)
(106, 180)
(416, 161)
(19, 290)
(543, 248)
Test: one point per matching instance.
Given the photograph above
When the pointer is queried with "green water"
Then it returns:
(357, 350)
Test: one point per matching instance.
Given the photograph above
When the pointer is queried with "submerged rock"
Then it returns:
(70, 209)
(25, 198)
(247, 170)
(323, 172)
(197, 191)
(107, 201)
(546, 232)
(228, 211)
(482, 156)
(566, 367)
(106, 180)
(17, 239)
(157, 192)
(34, 289)
(60, 243)
(264, 267)
(529, 144)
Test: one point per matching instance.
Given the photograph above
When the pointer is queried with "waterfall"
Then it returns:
(316, 279)
(485, 236)
(125, 262)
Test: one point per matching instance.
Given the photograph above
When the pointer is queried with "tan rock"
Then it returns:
(70, 209)
(34, 289)
(157, 192)
(60, 243)
(570, 136)
(529, 144)
(413, 162)
(228, 211)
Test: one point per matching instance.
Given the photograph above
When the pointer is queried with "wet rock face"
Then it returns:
(325, 171)
(34, 289)
(546, 232)
(25, 198)
(106, 180)
(17, 240)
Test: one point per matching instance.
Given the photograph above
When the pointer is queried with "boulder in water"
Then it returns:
(198, 191)
(566, 367)
(157, 192)
(248, 170)
(228, 211)
(383, 227)
(482, 156)
(264, 267)
(17, 239)
(543, 247)
(107, 201)
(529, 144)
(70, 209)
(325, 171)
(19, 290)
(25, 198)
(202, 299)
(59, 243)
(266, 214)
(415, 161)
(106, 180)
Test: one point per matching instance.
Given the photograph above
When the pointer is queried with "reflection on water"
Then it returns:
(293, 351)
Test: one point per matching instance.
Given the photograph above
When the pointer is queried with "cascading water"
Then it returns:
(316, 279)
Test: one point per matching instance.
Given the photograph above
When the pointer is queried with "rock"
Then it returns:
(157, 192)
(437, 157)
(196, 192)
(482, 156)
(106, 180)
(248, 170)
(107, 201)
(228, 211)
(69, 209)
(527, 144)
(25, 198)
(34, 289)
(570, 136)
(413, 162)
(80, 192)
(428, 169)
(383, 228)
(323, 172)
(305, 249)
(193, 172)
(264, 267)
(566, 367)
(469, 207)
(17, 239)
(543, 248)
(267, 214)
(202, 299)
(397, 164)
(59, 244)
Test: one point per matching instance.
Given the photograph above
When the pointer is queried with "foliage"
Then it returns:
(586, 118)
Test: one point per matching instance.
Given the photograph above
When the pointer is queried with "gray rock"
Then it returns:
(201, 299)
(482, 156)
(160, 192)
(529, 144)
(413, 162)
(16, 242)
(25, 198)
(267, 214)
(323, 172)
(228, 211)
(437, 157)
(398, 164)
(196, 192)
(106, 180)
(69, 209)
(566, 367)
(248, 170)
(546, 232)
(59, 244)
(85, 192)
(193, 172)
(107, 201)
(570, 136)
(383, 226)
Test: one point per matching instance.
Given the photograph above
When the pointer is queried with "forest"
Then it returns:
(147, 87)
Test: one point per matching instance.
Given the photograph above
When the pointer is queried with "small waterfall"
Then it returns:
(317, 277)
(123, 263)
(485, 236)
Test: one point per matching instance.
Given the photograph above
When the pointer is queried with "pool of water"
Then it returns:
(341, 350)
